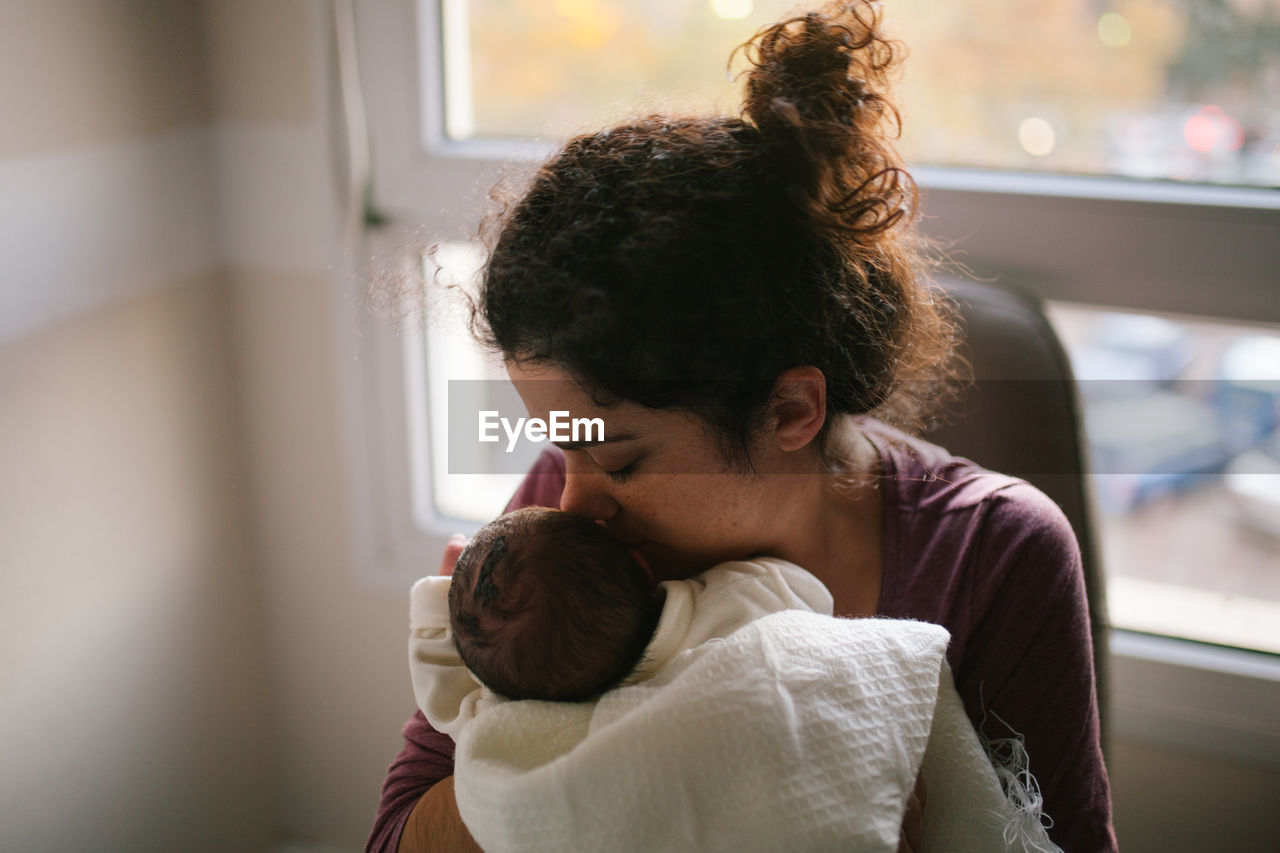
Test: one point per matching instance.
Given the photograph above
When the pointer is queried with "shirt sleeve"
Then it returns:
(1028, 671)
(427, 755)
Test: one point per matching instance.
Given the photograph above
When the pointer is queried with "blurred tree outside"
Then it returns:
(1170, 89)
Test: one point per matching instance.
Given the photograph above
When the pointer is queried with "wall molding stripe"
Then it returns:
(88, 227)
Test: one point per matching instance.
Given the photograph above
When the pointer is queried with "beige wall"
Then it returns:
(84, 72)
(134, 710)
(261, 58)
(339, 680)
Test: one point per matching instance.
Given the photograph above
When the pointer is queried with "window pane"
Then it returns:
(1182, 422)
(1166, 89)
(463, 481)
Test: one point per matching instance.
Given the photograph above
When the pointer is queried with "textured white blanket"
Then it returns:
(797, 732)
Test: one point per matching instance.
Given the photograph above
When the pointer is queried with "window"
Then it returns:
(1182, 418)
(1142, 88)
(1112, 156)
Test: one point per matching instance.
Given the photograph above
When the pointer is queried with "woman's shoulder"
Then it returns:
(925, 481)
(922, 477)
(947, 518)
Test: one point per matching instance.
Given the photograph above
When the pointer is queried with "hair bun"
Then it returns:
(818, 92)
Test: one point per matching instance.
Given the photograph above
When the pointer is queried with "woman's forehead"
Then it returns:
(546, 388)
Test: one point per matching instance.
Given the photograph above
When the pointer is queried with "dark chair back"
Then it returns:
(1022, 417)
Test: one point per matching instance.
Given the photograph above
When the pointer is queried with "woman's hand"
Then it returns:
(913, 821)
(457, 543)
(434, 825)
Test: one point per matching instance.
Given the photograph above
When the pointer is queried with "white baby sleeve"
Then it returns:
(447, 693)
(730, 595)
(766, 585)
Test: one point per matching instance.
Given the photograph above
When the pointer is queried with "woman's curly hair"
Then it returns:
(686, 262)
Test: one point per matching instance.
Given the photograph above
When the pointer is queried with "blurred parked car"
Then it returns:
(1247, 393)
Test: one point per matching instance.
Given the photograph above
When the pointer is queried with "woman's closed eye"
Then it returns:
(617, 463)
(620, 475)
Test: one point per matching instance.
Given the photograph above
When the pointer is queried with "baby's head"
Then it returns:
(547, 605)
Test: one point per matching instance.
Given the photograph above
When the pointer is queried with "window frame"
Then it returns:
(1100, 241)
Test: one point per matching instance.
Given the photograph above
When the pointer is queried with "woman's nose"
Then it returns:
(587, 494)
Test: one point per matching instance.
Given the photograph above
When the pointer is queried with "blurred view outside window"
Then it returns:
(1182, 418)
(1185, 90)
(1182, 414)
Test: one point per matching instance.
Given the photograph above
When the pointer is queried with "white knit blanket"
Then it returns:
(797, 732)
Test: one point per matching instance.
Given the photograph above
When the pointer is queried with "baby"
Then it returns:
(548, 605)
(730, 710)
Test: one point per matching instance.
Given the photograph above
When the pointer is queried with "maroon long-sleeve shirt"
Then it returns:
(987, 556)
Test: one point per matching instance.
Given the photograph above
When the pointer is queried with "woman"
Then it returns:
(741, 301)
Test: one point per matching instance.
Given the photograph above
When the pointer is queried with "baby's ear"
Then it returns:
(798, 407)
(452, 550)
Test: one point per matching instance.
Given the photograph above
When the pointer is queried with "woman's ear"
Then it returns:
(798, 408)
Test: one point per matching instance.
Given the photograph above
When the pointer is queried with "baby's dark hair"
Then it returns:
(687, 262)
(547, 605)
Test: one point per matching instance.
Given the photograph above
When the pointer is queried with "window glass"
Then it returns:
(464, 480)
(1163, 89)
(1182, 418)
